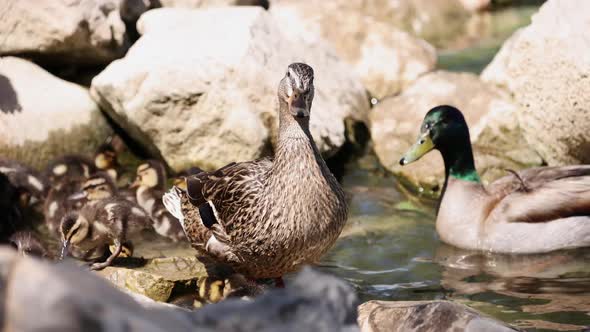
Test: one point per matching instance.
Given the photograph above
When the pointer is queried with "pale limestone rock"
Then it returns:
(42, 116)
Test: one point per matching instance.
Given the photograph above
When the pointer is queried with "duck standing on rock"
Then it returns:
(150, 183)
(267, 217)
(533, 211)
(106, 219)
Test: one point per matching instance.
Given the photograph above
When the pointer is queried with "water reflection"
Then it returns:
(390, 251)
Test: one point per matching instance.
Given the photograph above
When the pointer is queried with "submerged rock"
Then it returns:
(199, 86)
(386, 58)
(84, 32)
(546, 67)
(395, 125)
(425, 316)
(42, 116)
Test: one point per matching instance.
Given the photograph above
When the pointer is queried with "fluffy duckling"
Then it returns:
(105, 159)
(68, 167)
(28, 244)
(150, 184)
(536, 210)
(9, 208)
(104, 220)
(66, 196)
(31, 186)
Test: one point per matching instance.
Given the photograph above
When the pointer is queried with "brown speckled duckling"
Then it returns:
(104, 220)
(31, 186)
(62, 199)
(150, 184)
(268, 217)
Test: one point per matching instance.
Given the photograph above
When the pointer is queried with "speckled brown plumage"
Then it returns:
(271, 216)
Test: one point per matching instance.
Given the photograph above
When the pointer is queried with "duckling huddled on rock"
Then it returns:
(150, 186)
(31, 185)
(105, 219)
(268, 217)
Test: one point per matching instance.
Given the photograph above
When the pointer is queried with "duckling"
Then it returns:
(150, 184)
(28, 244)
(105, 159)
(31, 186)
(180, 178)
(267, 217)
(104, 220)
(68, 167)
(9, 208)
(536, 210)
(67, 196)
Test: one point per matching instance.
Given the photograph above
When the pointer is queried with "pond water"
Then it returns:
(390, 251)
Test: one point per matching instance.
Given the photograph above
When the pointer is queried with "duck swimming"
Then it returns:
(536, 210)
(268, 217)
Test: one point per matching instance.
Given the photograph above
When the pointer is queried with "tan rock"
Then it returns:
(42, 116)
(546, 66)
(212, 100)
(395, 124)
(386, 58)
(86, 31)
(424, 316)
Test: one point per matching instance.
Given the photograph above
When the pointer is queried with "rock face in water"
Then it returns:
(386, 59)
(42, 116)
(65, 298)
(199, 86)
(425, 316)
(86, 32)
(546, 66)
(395, 125)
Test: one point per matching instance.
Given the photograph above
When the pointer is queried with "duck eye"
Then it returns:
(288, 74)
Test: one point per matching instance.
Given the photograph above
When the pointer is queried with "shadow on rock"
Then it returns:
(8, 97)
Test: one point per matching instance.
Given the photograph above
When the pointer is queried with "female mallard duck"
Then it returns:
(150, 183)
(533, 211)
(266, 218)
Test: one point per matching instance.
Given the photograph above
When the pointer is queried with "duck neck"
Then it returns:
(459, 163)
(296, 150)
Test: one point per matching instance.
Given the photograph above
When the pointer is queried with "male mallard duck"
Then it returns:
(150, 184)
(266, 218)
(104, 220)
(533, 211)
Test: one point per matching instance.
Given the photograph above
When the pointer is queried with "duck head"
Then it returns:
(443, 128)
(73, 230)
(96, 187)
(296, 90)
(151, 174)
(105, 157)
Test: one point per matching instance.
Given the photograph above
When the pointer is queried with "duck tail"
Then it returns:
(173, 202)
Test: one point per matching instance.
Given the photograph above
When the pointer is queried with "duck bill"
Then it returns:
(135, 183)
(420, 148)
(298, 107)
(77, 196)
(65, 249)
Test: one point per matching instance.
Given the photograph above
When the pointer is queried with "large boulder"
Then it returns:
(425, 316)
(395, 124)
(438, 22)
(546, 66)
(62, 297)
(84, 31)
(42, 116)
(386, 58)
(199, 87)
